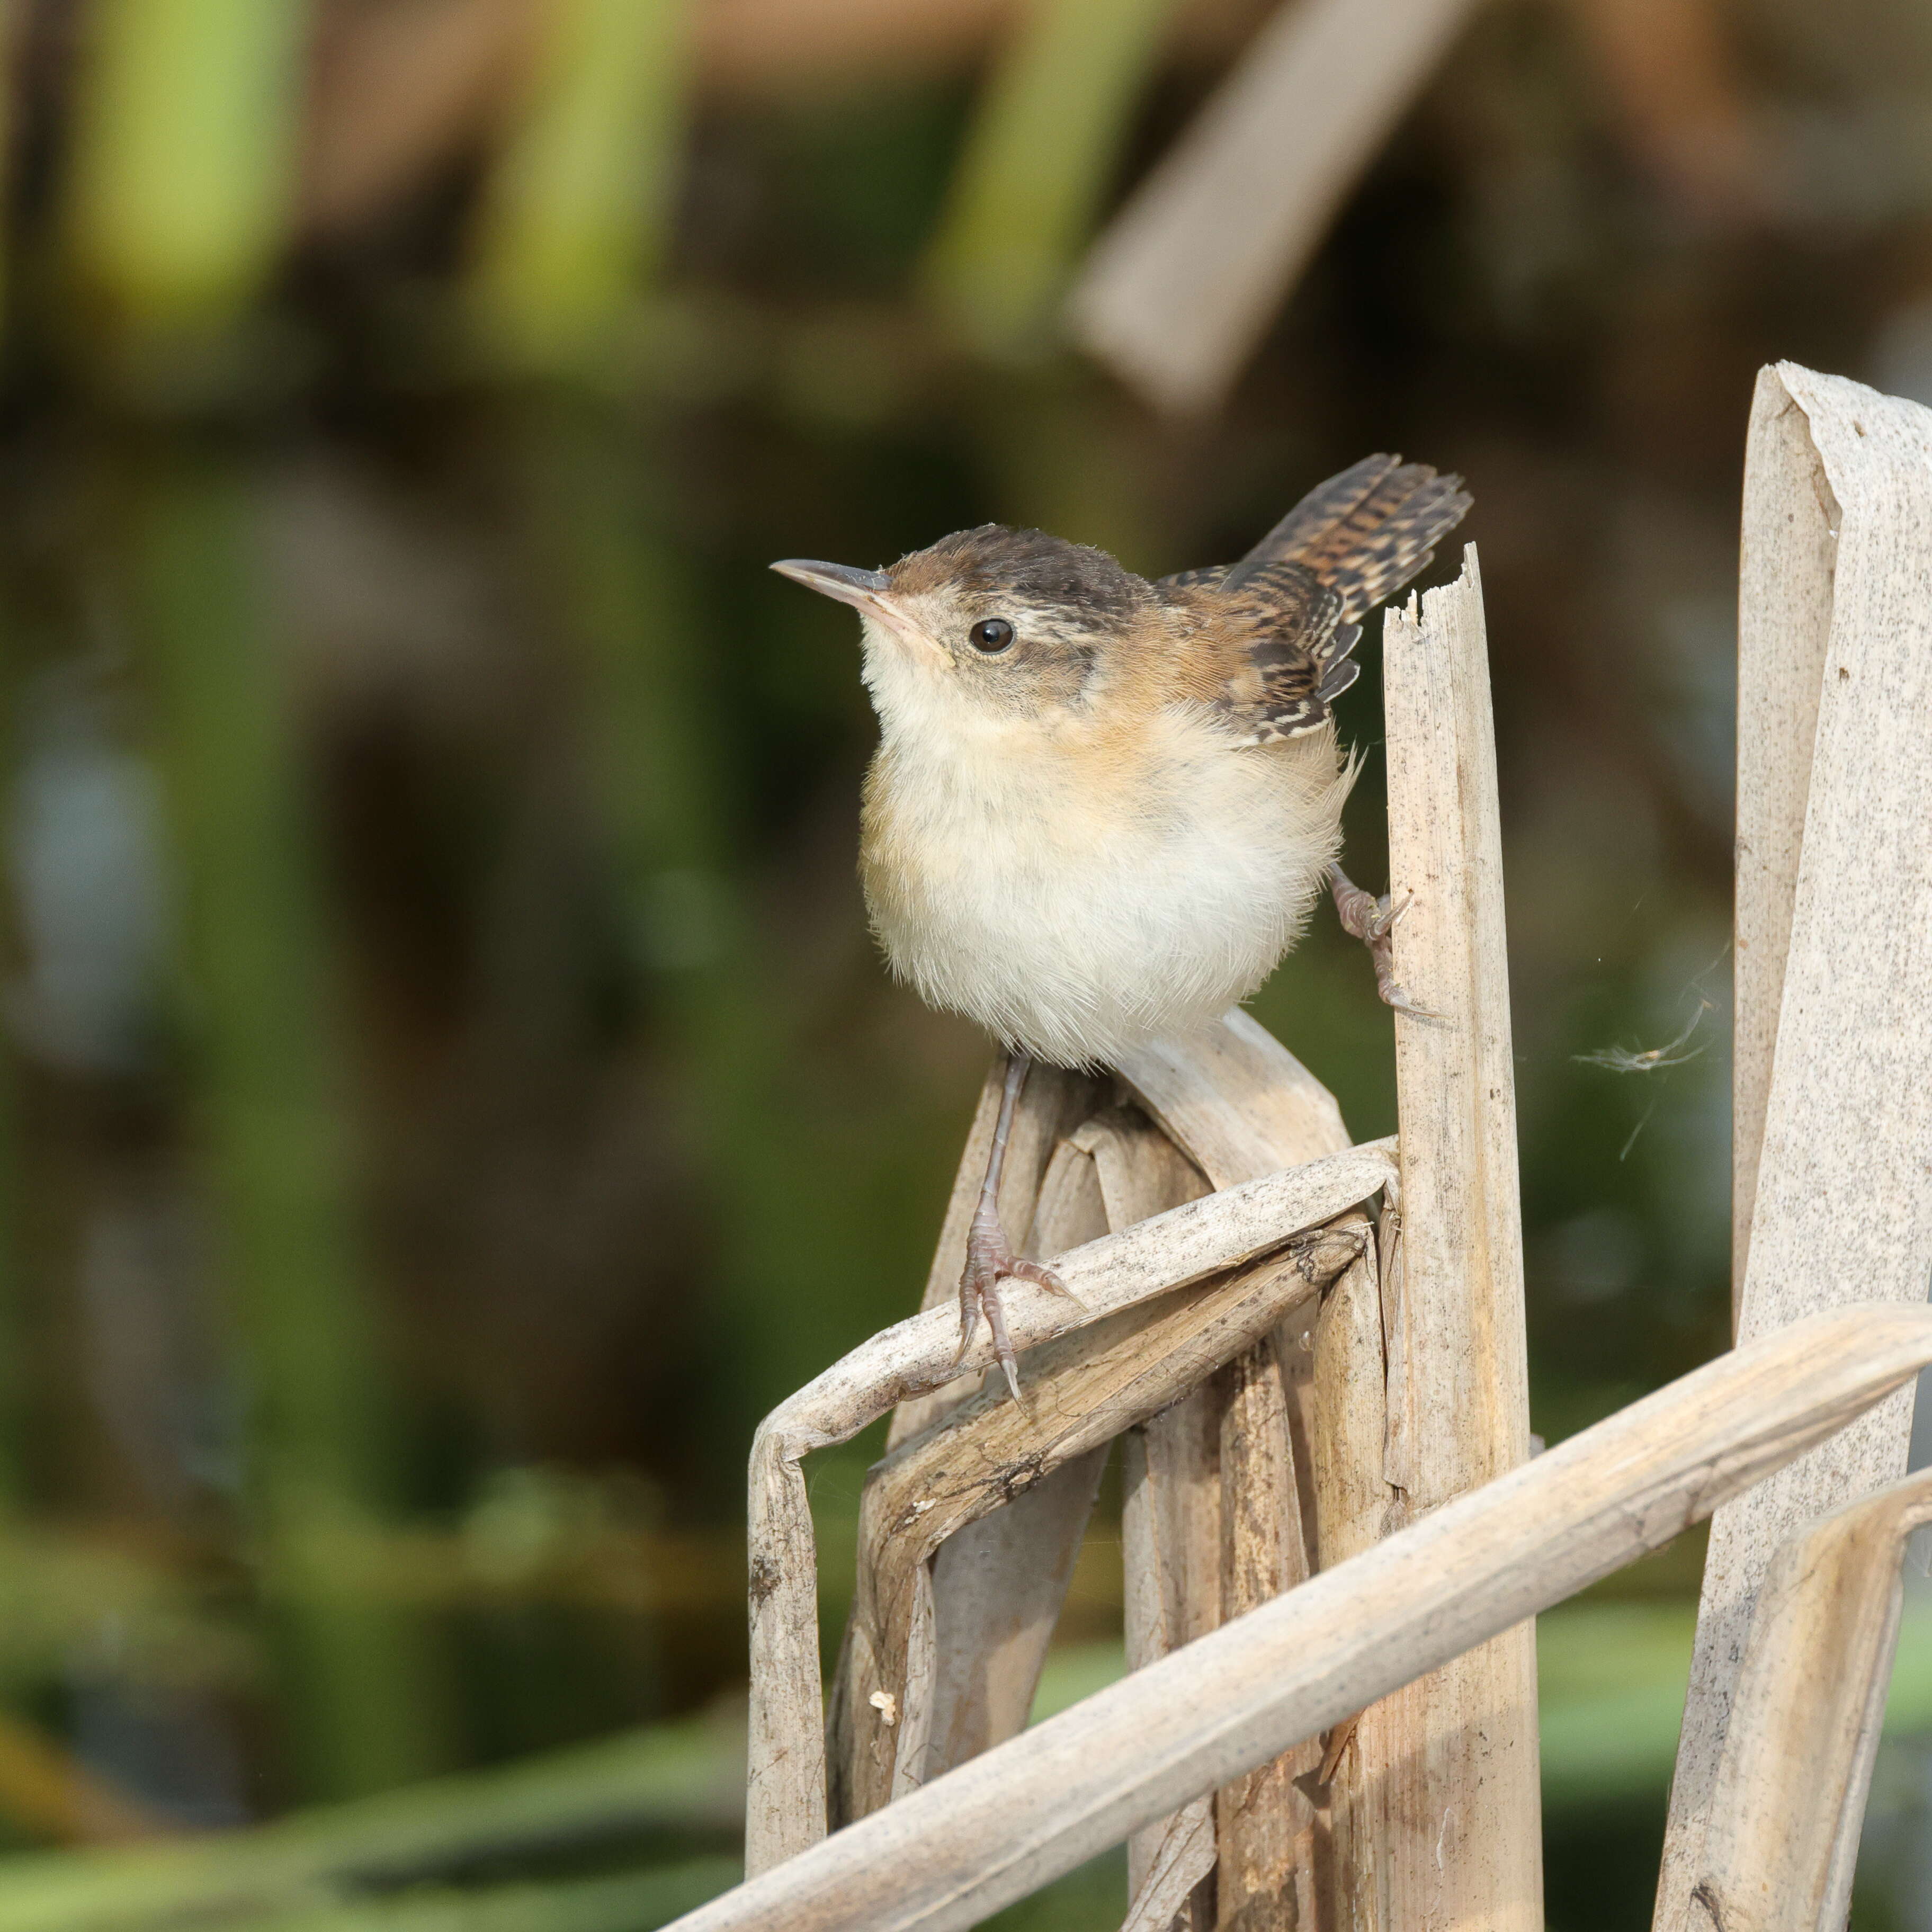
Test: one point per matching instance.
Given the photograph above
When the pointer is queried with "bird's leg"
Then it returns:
(989, 1255)
(1372, 920)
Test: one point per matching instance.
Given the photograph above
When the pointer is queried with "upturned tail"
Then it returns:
(1364, 533)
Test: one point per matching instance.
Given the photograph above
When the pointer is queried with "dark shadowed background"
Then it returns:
(449, 1092)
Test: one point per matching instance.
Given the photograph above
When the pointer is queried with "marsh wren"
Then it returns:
(1102, 807)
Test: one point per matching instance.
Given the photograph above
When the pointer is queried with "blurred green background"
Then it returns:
(449, 1093)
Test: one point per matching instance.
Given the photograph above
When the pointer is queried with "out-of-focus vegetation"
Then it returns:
(447, 1092)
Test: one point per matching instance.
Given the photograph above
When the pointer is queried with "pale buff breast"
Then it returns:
(1077, 916)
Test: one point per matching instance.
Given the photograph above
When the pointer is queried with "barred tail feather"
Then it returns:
(1365, 533)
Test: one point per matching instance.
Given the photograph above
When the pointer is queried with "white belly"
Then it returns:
(1078, 928)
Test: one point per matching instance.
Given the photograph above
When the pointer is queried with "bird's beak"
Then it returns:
(867, 591)
(863, 588)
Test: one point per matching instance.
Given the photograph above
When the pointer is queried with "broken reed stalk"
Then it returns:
(1171, 1561)
(1264, 1820)
(1834, 1121)
(1784, 624)
(1239, 1101)
(1789, 1796)
(941, 1664)
(1082, 1389)
(997, 1588)
(998, 1828)
(1449, 1821)
(785, 1801)
(1219, 1509)
(987, 1611)
(997, 1585)
(1352, 1512)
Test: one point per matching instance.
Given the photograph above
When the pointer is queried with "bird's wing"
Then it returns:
(1292, 609)
(1363, 534)
(1287, 659)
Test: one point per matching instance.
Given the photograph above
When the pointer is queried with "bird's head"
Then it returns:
(992, 626)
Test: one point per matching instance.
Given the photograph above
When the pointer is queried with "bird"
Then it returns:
(1103, 807)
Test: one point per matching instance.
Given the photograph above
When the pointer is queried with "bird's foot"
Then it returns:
(1372, 921)
(990, 1260)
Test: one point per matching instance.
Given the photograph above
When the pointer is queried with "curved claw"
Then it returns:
(1040, 1275)
(990, 1260)
(1395, 997)
(1011, 1370)
(1383, 921)
(969, 1324)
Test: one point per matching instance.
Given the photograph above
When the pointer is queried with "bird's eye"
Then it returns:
(990, 634)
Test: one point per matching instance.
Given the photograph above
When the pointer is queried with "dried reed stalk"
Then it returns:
(1233, 1099)
(1082, 1390)
(1171, 1558)
(996, 1588)
(1171, 1894)
(785, 1799)
(1841, 1201)
(1353, 1511)
(1264, 1824)
(1444, 1787)
(1784, 624)
(1791, 1785)
(997, 1828)
(998, 1585)
(1223, 1481)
